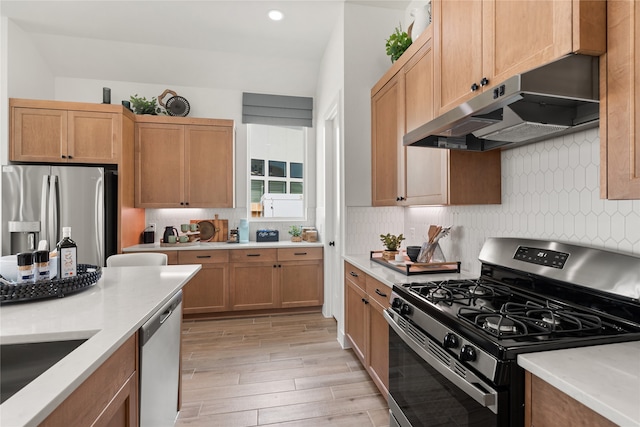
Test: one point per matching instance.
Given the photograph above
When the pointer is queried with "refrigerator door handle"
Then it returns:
(54, 210)
(44, 210)
(99, 224)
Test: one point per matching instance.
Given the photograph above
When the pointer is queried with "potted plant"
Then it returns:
(397, 43)
(141, 105)
(391, 244)
(296, 233)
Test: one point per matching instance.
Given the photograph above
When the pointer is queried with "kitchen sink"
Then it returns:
(22, 363)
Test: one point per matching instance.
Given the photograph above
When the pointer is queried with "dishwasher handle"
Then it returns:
(154, 323)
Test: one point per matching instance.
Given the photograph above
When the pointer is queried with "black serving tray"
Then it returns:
(87, 276)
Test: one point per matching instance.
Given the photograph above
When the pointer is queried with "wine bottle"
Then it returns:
(67, 255)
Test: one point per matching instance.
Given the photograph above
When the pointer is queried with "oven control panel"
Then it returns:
(544, 257)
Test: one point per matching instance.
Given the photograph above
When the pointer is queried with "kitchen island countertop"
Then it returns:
(605, 378)
(106, 314)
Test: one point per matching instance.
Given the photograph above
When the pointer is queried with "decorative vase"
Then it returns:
(421, 20)
(296, 238)
(389, 255)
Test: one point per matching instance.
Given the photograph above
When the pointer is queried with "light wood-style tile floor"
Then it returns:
(281, 370)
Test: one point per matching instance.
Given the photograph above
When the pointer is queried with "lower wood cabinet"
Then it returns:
(254, 283)
(276, 278)
(365, 327)
(208, 290)
(236, 280)
(545, 405)
(109, 397)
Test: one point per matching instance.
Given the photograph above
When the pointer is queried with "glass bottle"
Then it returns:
(243, 231)
(67, 255)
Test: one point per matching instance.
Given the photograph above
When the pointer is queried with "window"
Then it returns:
(276, 155)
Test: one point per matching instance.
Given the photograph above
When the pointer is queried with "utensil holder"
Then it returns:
(431, 252)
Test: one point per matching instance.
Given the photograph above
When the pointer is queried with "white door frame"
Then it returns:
(334, 211)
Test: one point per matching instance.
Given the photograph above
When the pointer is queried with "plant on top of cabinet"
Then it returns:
(397, 43)
(141, 105)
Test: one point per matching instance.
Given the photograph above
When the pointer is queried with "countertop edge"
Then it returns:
(152, 247)
(574, 372)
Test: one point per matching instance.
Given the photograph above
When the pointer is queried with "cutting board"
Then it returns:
(221, 227)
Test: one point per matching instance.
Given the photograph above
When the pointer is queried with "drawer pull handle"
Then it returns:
(382, 294)
(353, 274)
(253, 254)
(203, 256)
(299, 253)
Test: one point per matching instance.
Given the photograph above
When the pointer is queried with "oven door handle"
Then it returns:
(487, 399)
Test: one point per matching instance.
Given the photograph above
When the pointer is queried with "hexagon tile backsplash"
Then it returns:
(550, 191)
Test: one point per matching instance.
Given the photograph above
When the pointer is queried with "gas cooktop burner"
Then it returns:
(500, 324)
(466, 292)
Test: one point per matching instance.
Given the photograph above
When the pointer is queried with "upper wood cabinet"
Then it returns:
(619, 103)
(64, 132)
(183, 162)
(478, 44)
(401, 101)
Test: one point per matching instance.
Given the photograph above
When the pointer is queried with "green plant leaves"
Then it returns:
(397, 43)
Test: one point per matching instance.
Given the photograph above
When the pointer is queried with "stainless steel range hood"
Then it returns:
(559, 98)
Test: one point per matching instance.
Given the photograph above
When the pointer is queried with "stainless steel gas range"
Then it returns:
(453, 344)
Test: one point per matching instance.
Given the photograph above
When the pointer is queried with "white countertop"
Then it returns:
(605, 378)
(149, 247)
(107, 313)
(389, 276)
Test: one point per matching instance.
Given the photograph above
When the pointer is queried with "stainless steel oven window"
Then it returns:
(421, 395)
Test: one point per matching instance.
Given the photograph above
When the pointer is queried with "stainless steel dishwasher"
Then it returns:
(160, 365)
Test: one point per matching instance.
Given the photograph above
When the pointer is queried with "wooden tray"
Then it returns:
(410, 268)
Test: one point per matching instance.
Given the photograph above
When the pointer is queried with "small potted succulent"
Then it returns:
(141, 105)
(391, 245)
(296, 233)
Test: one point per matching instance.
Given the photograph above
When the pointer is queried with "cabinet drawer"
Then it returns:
(378, 291)
(354, 274)
(203, 257)
(254, 255)
(293, 254)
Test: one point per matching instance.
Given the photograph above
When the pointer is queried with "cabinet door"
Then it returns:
(93, 137)
(521, 35)
(620, 106)
(38, 135)
(208, 290)
(378, 351)
(387, 114)
(426, 169)
(458, 51)
(108, 397)
(209, 160)
(301, 283)
(159, 165)
(254, 286)
(355, 317)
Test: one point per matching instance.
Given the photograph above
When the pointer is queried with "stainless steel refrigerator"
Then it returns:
(37, 201)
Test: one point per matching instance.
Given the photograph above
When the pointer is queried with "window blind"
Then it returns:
(277, 110)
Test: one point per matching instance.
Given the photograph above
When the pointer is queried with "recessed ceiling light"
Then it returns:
(276, 15)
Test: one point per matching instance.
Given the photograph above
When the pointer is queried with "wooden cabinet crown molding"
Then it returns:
(69, 105)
